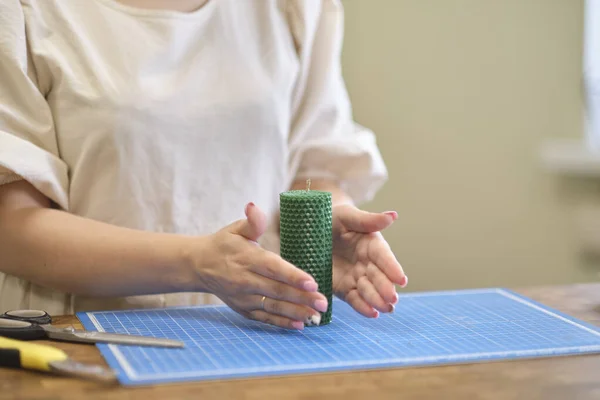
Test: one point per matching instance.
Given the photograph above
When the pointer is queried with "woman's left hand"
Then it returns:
(365, 270)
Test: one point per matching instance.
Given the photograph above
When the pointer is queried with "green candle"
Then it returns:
(306, 237)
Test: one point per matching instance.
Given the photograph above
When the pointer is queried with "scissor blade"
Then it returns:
(105, 337)
(95, 372)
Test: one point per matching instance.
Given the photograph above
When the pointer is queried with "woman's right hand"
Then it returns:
(236, 269)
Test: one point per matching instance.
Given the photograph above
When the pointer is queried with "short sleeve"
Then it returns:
(28, 145)
(325, 141)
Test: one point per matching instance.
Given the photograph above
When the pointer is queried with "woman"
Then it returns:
(132, 133)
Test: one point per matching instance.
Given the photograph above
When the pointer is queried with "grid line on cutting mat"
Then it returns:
(426, 329)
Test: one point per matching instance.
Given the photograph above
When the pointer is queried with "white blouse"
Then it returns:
(171, 122)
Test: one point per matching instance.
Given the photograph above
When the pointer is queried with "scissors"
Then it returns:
(38, 357)
(37, 324)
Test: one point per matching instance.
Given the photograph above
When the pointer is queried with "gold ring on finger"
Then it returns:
(262, 302)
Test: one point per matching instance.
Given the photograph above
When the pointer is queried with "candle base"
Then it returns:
(306, 238)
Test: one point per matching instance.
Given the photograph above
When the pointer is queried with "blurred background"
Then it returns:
(463, 95)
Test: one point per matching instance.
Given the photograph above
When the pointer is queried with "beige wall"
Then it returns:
(461, 94)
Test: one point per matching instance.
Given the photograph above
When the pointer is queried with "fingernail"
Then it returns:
(247, 209)
(395, 298)
(313, 320)
(392, 214)
(321, 305)
(310, 286)
(376, 314)
(391, 308)
(298, 325)
(403, 285)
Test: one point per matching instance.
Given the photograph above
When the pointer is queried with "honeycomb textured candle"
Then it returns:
(306, 237)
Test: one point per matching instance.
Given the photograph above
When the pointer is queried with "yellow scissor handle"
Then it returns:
(16, 353)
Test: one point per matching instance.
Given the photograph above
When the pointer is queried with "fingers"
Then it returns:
(272, 266)
(253, 226)
(271, 319)
(382, 284)
(360, 305)
(282, 314)
(356, 220)
(380, 254)
(291, 311)
(370, 295)
(280, 291)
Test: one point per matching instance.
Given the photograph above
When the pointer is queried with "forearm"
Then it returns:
(77, 255)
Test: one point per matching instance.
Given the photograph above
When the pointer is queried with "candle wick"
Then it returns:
(307, 185)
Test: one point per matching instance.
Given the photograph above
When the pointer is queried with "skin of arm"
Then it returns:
(76, 255)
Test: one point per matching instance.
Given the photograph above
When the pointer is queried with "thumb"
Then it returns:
(253, 226)
(356, 220)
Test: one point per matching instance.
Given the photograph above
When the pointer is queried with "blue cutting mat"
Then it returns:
(427, 329)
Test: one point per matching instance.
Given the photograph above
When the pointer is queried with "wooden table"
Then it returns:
(572, 378)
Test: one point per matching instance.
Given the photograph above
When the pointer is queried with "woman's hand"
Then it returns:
(365, 270)
(234, 268)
